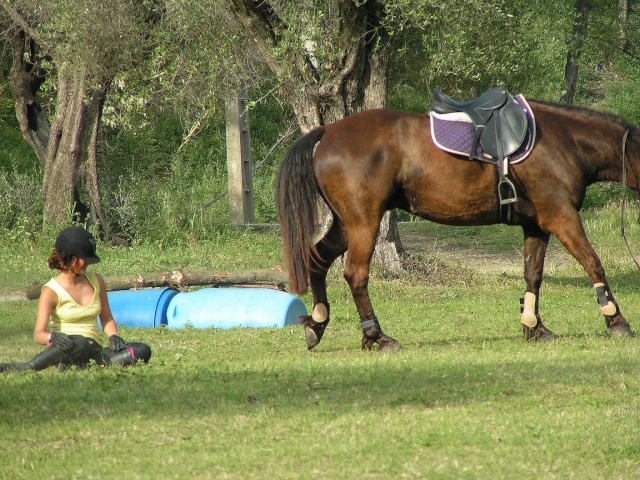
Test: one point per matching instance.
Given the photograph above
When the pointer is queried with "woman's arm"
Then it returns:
(47, 302)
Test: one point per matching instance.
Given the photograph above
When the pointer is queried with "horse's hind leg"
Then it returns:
(330, 247)
(535, 248)
(362, 241)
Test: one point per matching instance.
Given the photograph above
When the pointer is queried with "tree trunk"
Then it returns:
(71, 154)
(574, 52)
(623, 22)
(65, 147)
(358, 81)
(25, 78)
(323, 94)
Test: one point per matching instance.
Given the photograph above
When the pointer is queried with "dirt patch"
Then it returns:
(8, 297)
(470, 257)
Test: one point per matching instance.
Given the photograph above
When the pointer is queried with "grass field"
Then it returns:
(465, 399)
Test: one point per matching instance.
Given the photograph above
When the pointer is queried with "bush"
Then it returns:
(20, 201)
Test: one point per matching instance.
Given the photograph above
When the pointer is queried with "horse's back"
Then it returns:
(368, 127)
(378, 160)
(373, 140)
(363, 155)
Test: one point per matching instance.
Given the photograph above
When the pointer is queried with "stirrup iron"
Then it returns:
(507, 192)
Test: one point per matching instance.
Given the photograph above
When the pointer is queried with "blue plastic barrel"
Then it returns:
(146, 307)
(234, 307)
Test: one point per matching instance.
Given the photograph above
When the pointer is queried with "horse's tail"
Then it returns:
(297, 194)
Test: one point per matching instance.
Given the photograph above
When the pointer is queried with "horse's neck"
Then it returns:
(599, 146)
(615, 156)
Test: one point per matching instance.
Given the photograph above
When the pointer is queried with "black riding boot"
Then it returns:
(50, 356)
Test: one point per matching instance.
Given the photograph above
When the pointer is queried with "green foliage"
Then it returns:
(602, 194)
(407, 99)
(97, 38)
(273, 128)
(7, 108)
(15, 154)
(162, 155)
(20, 176)
(200, 56)
(20, 202)
(165, 186)
(311, 30)
(143, 209)
(616, 91)
(464, 48)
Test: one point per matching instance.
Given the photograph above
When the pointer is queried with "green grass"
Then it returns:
(465, 399)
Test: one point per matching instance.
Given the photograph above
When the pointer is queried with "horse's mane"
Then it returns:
(589, 113)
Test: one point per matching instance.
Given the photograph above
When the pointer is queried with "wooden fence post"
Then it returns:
(239, 160)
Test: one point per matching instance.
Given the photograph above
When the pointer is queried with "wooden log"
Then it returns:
(180, 279)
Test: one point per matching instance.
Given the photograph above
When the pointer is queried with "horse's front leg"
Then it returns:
(616, 323)
(356, 273)
(571, 234)
(330, 247)
(535, 248)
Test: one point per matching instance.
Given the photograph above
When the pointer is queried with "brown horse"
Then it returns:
(378, 160)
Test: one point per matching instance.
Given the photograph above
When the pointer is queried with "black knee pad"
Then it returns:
(133, 353)
(141, 351)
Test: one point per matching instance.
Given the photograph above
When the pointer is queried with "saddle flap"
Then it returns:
(510, 128)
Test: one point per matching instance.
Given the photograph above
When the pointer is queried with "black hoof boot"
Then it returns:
(313, 331)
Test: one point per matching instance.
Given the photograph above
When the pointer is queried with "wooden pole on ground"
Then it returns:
(179, 279)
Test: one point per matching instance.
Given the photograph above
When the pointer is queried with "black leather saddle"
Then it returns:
(501, 123)
(501, 126)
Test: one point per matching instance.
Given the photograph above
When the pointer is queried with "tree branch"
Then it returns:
(18, 19)
(266, 28)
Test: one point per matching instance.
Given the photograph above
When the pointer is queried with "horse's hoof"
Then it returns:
(390, 345)
(313, 331)
(385, 343)
(311, 337)
(621, 328)
(538, 334)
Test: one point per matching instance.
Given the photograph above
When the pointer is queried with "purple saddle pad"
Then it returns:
(454, 132)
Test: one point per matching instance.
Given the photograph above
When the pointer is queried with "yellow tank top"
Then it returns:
(71, 318)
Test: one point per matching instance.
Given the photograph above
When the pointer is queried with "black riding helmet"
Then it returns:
(76, 241)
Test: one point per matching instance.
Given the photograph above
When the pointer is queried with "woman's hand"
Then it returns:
(116, 343)
(61, 340)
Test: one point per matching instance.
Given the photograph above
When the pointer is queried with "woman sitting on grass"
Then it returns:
(72, 301)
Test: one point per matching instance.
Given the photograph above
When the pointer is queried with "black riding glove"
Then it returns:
(116, 343)
(62, 341)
